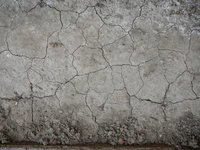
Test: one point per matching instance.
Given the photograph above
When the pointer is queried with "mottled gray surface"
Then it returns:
(100, 71)
(34, 147)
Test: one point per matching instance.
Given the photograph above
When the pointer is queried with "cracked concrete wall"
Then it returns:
(100, 71)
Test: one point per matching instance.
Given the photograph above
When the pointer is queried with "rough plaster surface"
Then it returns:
(100, 71)
(83, 147)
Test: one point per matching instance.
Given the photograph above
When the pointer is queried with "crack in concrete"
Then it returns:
(27, 11)
(2, 3)
(31, 97)
(106, 23)
(121, 78)
(140, 14)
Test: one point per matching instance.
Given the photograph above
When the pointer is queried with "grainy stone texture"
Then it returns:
(119, 72)
(93, 147)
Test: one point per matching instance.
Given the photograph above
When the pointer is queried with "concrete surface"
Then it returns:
(119, 72)
(82, 148)
(89, 147)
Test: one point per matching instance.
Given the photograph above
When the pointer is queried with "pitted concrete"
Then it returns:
(100, 71)
(93, 147)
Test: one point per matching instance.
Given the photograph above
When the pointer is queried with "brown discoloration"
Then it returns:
(56, 44)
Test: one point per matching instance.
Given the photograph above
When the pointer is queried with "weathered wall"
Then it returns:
(84, 147)
(100, 71)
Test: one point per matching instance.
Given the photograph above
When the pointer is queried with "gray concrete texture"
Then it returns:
(91, 147)
(119, 72)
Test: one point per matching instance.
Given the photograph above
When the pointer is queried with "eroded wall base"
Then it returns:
(100, 71)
